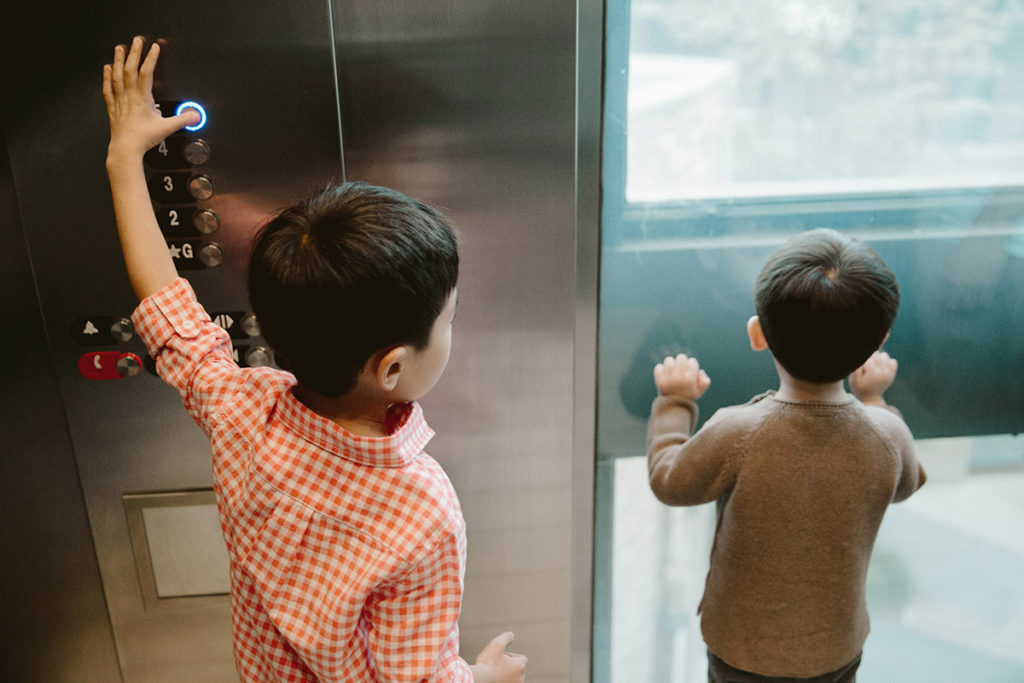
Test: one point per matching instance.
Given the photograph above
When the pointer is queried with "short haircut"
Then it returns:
(825, 302)
(352, 270)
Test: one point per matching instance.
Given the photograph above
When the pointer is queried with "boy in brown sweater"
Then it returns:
(802, 475)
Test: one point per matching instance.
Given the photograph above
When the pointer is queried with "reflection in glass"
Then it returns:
(730, 125)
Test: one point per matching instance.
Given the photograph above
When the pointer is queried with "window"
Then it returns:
(730, 125)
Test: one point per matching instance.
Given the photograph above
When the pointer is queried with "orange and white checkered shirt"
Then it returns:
(347, 553)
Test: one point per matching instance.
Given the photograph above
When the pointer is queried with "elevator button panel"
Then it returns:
(109, 365)
(179, 183)
(174, 107)
(206, 221)
(258, 357)
(200, 187)
(171, 187)
(196, 152)
(186, 221)
(232, 323)
(128, 365)
(250, 325)
(211, 254)
(178, 151)
(244, 355)
(102, 330)
(182, 106)
(107, 330)
(185, 253)
(176, 186)
(177, 221)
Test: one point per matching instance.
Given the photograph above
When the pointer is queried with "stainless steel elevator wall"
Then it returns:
(467, 105)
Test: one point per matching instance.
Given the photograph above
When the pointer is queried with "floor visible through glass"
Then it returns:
(945, 588)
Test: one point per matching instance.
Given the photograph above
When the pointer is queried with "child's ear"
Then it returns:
(389, 367)
(884, 340)
(756, 334)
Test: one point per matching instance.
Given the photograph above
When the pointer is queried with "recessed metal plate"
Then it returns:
(177, 543)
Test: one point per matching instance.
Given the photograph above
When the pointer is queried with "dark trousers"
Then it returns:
(720, 672)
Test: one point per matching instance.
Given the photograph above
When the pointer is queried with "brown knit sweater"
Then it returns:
(802, 488)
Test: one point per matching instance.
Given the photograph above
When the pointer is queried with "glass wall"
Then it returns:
(732, 124)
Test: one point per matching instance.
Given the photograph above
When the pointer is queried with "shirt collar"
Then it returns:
(408, 434)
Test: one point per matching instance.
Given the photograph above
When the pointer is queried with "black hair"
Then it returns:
(825, 302)
(353, 269)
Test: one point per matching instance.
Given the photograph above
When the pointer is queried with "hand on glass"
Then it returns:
(681, 376)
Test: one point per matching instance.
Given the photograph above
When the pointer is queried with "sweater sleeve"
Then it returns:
(687, 469)
(912, 475)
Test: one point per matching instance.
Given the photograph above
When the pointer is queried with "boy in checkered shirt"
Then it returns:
(346, 541)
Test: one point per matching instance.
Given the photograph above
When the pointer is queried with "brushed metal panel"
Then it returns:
(470, 105)
(264, 73)
(589, 79)
(55, 625)
(177, 543)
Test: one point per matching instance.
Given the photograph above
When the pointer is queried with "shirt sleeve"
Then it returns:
(685, 469)
(191, 353)
(413, 621)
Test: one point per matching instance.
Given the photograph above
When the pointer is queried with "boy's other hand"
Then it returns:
(681, 376)
(136, 125)
(869, 381)
(495, 665)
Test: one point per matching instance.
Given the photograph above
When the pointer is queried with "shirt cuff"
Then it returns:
(670, 405)
(171, 312)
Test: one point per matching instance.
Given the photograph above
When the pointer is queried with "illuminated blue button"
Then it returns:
(199, 108)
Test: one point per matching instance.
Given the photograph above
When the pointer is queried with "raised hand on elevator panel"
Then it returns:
(136, 126)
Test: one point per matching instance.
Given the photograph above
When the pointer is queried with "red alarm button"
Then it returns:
(108, 364)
